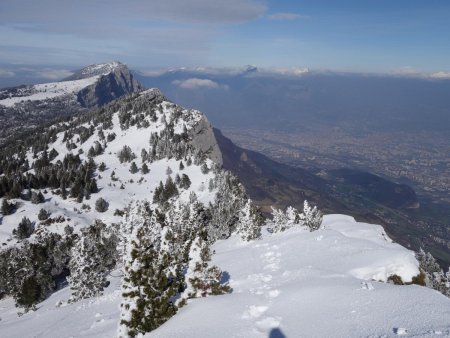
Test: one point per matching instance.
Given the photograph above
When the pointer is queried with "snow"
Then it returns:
(291, 284)
(303, 284)
(50, 90)
(137, 139)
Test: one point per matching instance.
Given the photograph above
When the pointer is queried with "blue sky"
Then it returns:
(347, 35)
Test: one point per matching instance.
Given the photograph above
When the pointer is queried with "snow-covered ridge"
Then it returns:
(50, 90)
(69, 86)
(104, 68)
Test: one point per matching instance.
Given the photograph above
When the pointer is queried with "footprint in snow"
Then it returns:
(274, 293)
(254, 311)
(367, 286)
(268, 323)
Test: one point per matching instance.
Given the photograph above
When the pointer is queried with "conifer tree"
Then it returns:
(311, 217)
(279, 220)
(43, 215)
(133, 168)
(6, 207)
(92, 256)
(24, 230)
(149, 283)
(205, 280)
(250, 222)
(101, 205)
(144, 169)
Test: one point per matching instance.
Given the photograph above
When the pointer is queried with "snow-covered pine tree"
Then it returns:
(24, 230)
(92, 257)
(250, 222)
(204, 280)
(148, 285)
(279, 220)
(311, 217)
(293, 217)
(230, 199)
(435, 277)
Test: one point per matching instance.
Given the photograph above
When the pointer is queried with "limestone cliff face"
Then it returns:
(116, 83)
(203, 138)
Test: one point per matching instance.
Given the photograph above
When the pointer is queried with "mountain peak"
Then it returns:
(97, 69)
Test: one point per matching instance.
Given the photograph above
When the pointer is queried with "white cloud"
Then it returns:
(195, 83)
(440, 75)
(53, 74)
(285, 71)
(413, 72)
(286, 16)
(407, 71)
(6, 73)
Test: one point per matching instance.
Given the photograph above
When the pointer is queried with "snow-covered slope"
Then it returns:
(327, 283)
(70, 86)
(125, 186)
(46, 91)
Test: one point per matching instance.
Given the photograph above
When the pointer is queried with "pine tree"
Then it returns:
(102, 167)
(101, 205)
(204, 168)
(205, 280)
(133, 168)
(37, 198)
(279, 220)
(250, 222)
(92, 256)
(311, 217)
(144, 169)
(181, 165)
(24, 230)
(6, 207)
(43, 215)
(185, 182)
(149, 283)
(435, 277)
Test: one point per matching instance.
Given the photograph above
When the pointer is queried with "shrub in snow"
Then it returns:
(279, 220)
(250, 222)
(125, 154)
(93, 255)
(28, 273)
(43, 215)
(37, 197)
(101, 205)
(144, 169)
(311, 217)
(24, 230)
(7, 208)
(205, 279)
(435, 277)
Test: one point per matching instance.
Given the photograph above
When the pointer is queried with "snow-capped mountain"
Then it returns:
(122, 222)
(92, 86)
